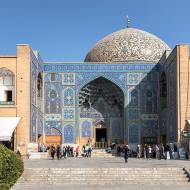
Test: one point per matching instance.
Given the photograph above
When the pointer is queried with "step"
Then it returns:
(103, 173)
(91, 176)
(95, 170)
(71, 178)
(104, 169)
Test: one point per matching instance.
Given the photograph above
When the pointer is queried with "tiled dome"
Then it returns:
(127, 45)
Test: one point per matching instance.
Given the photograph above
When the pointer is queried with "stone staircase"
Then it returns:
(101, 153)
(102, 176)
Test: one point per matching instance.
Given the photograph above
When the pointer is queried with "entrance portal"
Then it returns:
(101, 105)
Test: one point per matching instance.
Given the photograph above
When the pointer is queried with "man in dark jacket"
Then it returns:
(58, 151)
(126, 151)
(52, 150)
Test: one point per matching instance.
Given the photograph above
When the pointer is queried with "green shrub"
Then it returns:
(11, 168)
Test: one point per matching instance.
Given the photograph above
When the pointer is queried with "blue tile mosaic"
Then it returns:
(68, 133)
(86, 130)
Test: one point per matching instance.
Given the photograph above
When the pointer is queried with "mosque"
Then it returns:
(131, 88)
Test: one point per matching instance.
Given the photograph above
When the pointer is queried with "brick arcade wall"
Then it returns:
(183, 88)
(173, 118)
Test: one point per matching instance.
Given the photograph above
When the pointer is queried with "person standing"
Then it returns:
(89, 151)
(171, 151)
(77, 151)
(126, 152)
(58, 152)
(149, 151)
(157, 151)
(64, 152)
(161, 152)
(53, 152)
(145, 151)
(118, 151)
(86, 150)
(18, 150)
(138, 151)
(83, 150)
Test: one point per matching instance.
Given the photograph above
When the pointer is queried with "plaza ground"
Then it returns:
(109, 163)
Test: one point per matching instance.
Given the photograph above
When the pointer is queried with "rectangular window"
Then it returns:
(52, 76)
(150, 140)
(149, 107)
(8, 95)
(52, 107)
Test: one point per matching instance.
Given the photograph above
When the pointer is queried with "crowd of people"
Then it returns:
(157, 151)
(69, 151)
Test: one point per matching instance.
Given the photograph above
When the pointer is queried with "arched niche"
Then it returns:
(163, 91)
(7, 86)
(39, 85)
(102, 100)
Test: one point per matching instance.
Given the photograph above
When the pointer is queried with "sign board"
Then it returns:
(182, 154)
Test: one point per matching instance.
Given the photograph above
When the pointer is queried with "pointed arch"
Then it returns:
(68, 133)
(39, 85)
(69, 96)
(6, 76)
(101, 87)
(99, 101)
(94, 77)
(86, 130)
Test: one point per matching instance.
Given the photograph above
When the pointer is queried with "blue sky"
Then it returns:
(65, 30)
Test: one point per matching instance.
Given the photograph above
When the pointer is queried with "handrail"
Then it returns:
(187, 172)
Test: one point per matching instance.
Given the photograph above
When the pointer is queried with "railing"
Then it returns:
(7, 103)
(187, 172)
(100, 145)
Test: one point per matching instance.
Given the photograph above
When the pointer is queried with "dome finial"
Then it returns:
(128, 22)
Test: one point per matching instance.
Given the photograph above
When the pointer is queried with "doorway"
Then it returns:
(163, 139)
(101, 135)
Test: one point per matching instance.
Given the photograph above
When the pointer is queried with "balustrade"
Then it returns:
(7, 102)
(100, 145)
